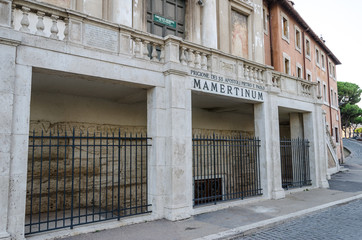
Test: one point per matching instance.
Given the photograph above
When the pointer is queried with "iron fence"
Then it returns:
(225, 168)
(84, 178)
(295, 163)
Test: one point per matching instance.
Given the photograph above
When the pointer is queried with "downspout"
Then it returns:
(303, 50)
(270, 38)
(330, 99)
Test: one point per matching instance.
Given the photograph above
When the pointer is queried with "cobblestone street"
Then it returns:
(339, 222)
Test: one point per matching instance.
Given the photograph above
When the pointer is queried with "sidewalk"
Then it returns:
(224, 224)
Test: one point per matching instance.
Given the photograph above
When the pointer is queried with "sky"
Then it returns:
(339, 22)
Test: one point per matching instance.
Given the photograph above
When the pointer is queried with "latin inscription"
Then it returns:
(226, 89)
(100, 37)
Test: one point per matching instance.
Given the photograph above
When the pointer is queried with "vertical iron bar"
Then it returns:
(65, 175)
(142, 141)
(56, 184)
(94, 170)
(50, 156)
(80, 175)
(32, 184)
(125, 175)
(112, 174)
(130, 174)
(72, 194)
(86, 180)
(106, 207)
(119, 176)
(214, 163)
(100, 176)
(136, 187)
(41, 174)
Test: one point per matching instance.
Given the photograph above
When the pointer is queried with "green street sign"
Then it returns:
(164, 21)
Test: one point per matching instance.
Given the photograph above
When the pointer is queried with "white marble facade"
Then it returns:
(39, 40)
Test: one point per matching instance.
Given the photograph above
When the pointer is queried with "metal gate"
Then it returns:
(295, 168)
(84, 178)
(225, 168)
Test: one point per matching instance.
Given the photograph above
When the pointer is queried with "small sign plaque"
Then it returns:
(164, 21)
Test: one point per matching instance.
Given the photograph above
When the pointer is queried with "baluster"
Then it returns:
(54, 29)
(40, 24)
(190, 59)
(154, 52)
(203, 61)
(66, 29)
(208, 61)
(183, 56)
(255, 75)
(261, 75)
(162, 54)
(197, 59)
(246, 72)
(25, 20)
(145, 52)
(137, 48)
(251, 74)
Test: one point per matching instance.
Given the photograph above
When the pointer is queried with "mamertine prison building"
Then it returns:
(120, 112)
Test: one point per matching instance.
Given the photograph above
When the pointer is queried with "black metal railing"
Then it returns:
(80, 178)
(295, 168)
(225, 168)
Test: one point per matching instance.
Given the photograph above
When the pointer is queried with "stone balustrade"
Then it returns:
(82, 30)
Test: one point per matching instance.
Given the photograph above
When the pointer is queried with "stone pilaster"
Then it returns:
(156, 126)
(209, 24)
(262, 125)
(277, 191)
(121, 12)
(5, 13)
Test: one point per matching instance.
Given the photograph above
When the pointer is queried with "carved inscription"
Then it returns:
(100, 37)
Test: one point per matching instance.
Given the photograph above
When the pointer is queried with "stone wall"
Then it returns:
(235, 162)
(97, 175)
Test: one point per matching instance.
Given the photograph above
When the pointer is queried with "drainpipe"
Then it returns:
(303, 50)
(270, 37)
(330, 97)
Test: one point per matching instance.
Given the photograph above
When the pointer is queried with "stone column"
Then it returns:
(178, 150)
(121, 12)
(296, 126)
(315, 132)
(19, 151)
(259, 32)
(296, 131)
(156, 127)
(8, 46)
(277, 191)
(5, 13)
(209, 24)
(262, 125)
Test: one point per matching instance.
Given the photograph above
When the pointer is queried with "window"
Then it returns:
(286, 59)
(336, 130)
(309, 76)
(285, 28)
(334, 71)
(317, 57)
(323, 61)
(299, 72)
(165, 19)
(298, 39)
(324, 92)
(335, 99)
(307, 48)
(330, 68)
(319, 88)
(332, 100)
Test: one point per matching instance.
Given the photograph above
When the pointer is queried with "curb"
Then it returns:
(239, 231)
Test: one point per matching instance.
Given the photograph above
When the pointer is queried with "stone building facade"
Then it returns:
(141, 110)
(292, 47)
